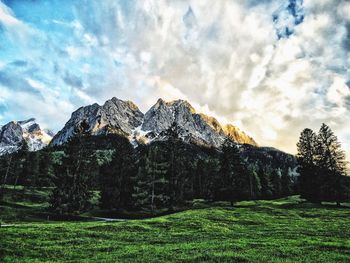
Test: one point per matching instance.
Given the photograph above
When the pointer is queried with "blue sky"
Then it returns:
(272, 67)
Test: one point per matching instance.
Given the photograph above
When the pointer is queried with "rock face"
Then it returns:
(13, 134)
(124, 118)
(115, 116)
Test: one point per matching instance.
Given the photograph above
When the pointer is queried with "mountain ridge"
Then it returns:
(124, 118)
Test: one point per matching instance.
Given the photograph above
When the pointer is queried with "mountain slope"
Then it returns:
(13, 133)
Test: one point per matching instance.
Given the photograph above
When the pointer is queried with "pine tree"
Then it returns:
(31, 166)
(235, 178)
(151, 181)
(115, 178)
(286, 184)
(332, 166)
(181, 171)
(254, 184)
(20, 167)
(7, 169)
(265, 182)
(46, 170)
(276, 182)
(71, 193)
(199, 178)
(204, 173)
(309, 180)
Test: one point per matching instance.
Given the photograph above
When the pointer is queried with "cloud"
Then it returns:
(272, 67)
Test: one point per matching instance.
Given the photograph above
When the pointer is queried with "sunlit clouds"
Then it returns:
(271, 67)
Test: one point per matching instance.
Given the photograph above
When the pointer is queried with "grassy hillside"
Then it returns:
(285, 230)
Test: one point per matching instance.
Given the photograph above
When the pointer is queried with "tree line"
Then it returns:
(161, 176)
(165, 175)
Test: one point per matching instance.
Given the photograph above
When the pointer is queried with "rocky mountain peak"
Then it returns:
(14, 133)
(195, 127)
(114, 116)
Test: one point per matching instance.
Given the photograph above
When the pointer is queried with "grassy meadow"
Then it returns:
(284, 230)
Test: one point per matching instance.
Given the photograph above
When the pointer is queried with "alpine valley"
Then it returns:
(175, 131)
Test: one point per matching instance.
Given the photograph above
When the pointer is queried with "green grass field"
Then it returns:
(285, 230)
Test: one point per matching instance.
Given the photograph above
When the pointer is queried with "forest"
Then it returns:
(162, 176)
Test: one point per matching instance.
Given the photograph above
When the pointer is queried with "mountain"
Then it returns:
(193, 127)
(13, 133)
(124, 118)
(115, 116)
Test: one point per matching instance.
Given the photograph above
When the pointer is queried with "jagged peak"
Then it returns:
(115, 100)
(174, 103)
(160, 101)
(27, 121)
(118, 101)
(23, 124)
(11, 123)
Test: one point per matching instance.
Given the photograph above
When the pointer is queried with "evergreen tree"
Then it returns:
(309, 180)
(115, 178)
(29, 174)
(276, 183)
(254, 183)
(265, 182)
(235, 180)
(199, 179)
(286, 184)
(332, 166)
(7, 169)
(46, 169)
(71, 193)
(21, 164)
(181, 171)
(207, 176)
(151, 181)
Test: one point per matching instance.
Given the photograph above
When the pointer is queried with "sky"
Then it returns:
(271, 67)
